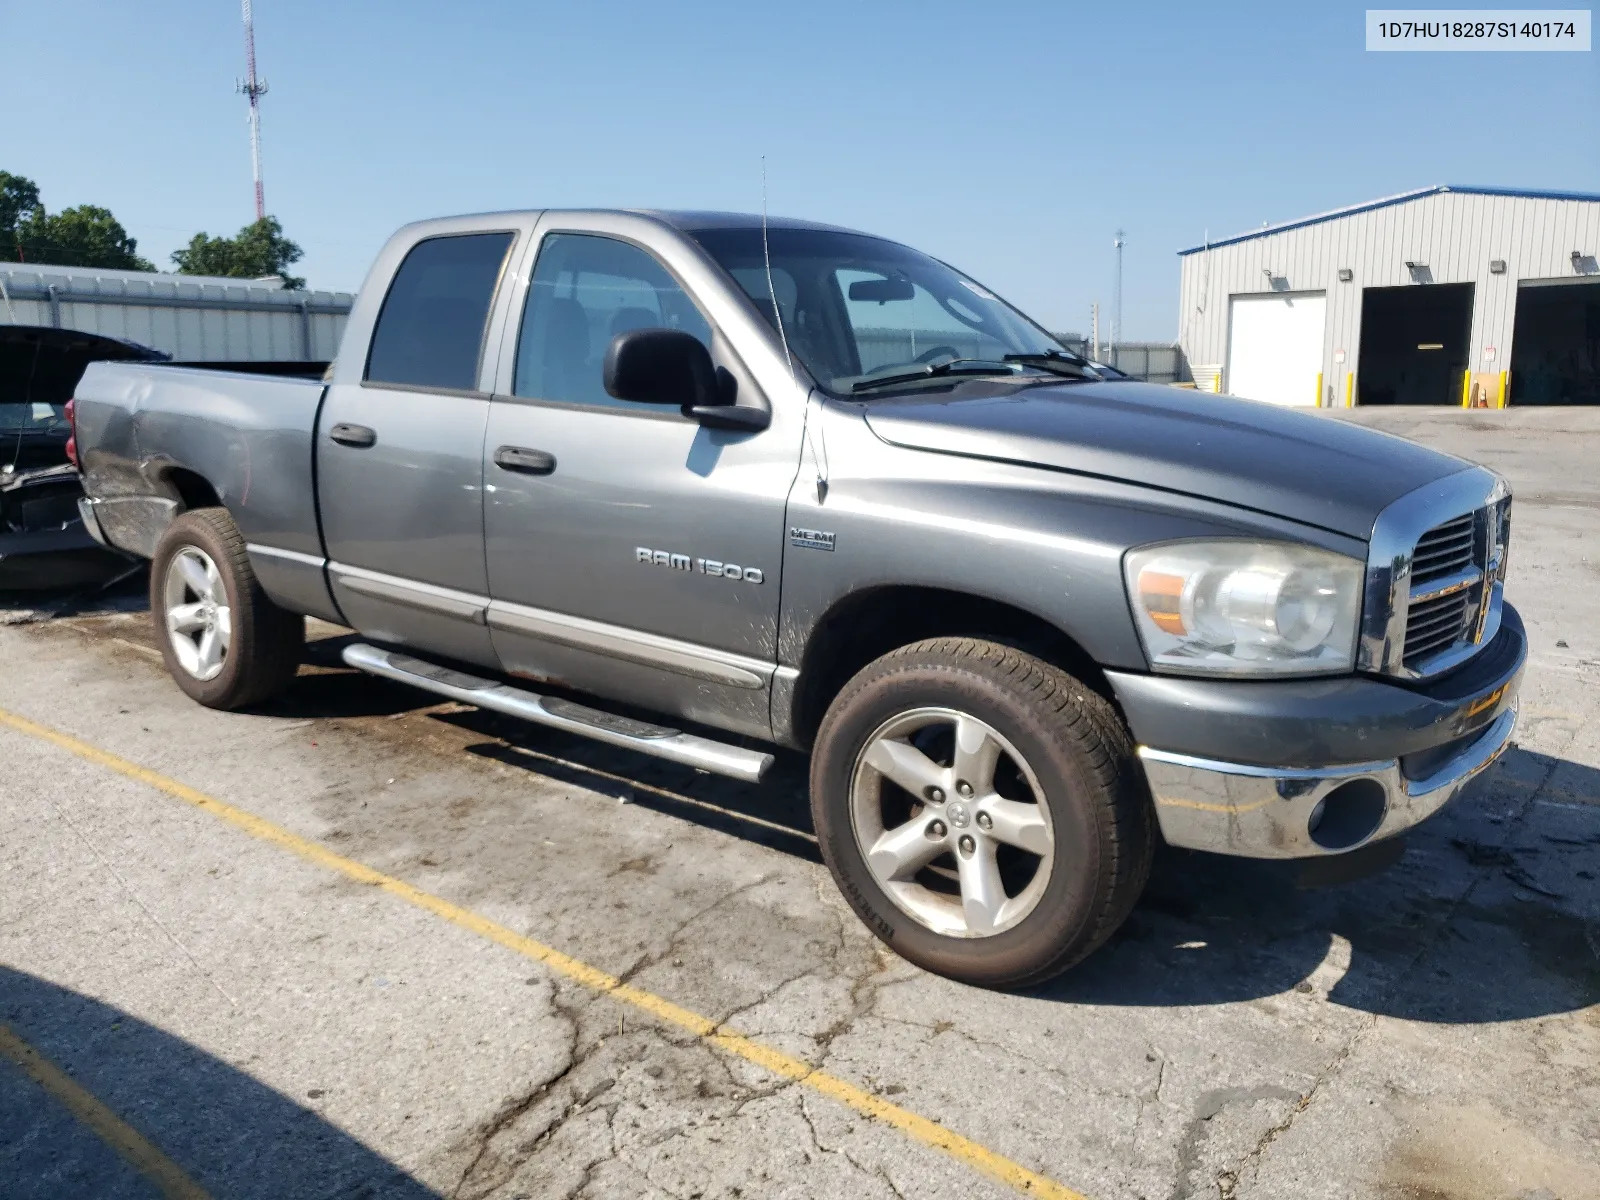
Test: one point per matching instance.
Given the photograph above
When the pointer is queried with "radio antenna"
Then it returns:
(766, 254)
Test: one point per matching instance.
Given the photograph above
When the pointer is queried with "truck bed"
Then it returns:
(246, 432)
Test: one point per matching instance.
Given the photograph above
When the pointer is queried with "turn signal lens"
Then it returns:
(71, 407)
(1161, 594)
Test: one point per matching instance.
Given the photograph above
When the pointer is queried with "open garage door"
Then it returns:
(1275, 346)
(1414, 343)
(1555, 347)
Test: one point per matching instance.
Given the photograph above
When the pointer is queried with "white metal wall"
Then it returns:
(190, 317)
(1456, 233)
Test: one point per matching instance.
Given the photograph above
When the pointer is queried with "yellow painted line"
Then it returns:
(1208, 806)
(929, 1133)
(135, 1149)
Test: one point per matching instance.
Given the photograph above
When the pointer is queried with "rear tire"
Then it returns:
(981, 810)
(225, 643)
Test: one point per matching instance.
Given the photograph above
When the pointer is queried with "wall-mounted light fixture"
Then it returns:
(1497, 266)
(1419, 272)
(1577, 257)
(1346, 274)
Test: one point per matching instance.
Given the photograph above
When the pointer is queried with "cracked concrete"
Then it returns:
(1427, 1033)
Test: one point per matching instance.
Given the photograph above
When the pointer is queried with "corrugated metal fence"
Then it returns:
(1157, 362)
(199, 318)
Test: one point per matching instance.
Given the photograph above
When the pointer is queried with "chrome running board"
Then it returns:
(614, 730)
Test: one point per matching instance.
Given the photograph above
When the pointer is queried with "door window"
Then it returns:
(430, 332)
(585, 290)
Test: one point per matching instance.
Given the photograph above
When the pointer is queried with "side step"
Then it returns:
(734, 761)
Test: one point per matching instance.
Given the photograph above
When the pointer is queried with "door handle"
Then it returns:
(353, 435)
(529, 462)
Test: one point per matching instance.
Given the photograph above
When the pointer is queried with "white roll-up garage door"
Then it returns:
(1275, 346)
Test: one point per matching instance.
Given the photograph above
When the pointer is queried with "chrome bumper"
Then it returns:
(91, 520)
(1280, 812)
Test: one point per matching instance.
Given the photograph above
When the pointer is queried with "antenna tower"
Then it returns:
(1116, 309)
(253, 89)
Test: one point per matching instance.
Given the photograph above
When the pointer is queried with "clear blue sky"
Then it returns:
(1010, 138)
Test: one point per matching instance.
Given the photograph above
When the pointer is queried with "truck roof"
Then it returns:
(688, 221)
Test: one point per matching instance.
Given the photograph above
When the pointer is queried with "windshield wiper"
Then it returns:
(1057, 362)
(950, 366)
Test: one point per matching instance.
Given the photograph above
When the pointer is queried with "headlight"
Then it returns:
(1246, 608)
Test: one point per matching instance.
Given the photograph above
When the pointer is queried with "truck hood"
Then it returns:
(1317, 470)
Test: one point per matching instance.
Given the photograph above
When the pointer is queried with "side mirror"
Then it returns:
(660, 366)
(668, 366)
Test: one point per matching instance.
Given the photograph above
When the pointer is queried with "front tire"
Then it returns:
(225, 643)
(981, 810)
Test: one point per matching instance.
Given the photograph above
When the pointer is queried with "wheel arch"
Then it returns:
(189, 488)
(869, 624)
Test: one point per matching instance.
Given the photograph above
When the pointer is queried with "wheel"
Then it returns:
(981, 810)
(225, 643)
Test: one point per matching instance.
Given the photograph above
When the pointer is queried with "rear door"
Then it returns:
(400, 452)
(632, 552)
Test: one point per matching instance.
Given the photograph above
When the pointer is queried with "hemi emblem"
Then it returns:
(810, 539)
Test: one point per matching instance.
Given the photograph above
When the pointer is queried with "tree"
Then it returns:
(85, 236)
(260, 249)
(19, 200)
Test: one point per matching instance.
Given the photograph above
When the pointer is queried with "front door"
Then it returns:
(400, 456)
(632, 552)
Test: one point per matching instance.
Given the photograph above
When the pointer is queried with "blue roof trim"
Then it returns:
(1386, 201)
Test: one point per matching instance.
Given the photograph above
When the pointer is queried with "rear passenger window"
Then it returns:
(430, 332)
(586, 290)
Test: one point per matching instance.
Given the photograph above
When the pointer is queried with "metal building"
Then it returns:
(1445, 295)
(195, 318)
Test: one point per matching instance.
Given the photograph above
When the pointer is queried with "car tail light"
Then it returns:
(72, 439)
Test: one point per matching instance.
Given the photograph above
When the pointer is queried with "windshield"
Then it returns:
(856, 307)
(23, 418)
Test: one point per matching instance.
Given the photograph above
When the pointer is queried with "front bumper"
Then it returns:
(1296, 769)
(1267, 812)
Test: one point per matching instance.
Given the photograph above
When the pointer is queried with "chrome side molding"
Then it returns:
(656, 740)
(688, 659)
(631, 645)
(428, 597)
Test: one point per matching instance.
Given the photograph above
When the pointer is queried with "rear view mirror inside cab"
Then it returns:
(881, 290)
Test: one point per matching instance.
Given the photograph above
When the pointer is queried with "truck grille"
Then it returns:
(1453, 571)
(1444, 550)
(1436, 624)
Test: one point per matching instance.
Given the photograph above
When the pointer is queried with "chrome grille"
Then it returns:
(1445, 550)
(1454, 569)
(1436, 624)
(1435, 566)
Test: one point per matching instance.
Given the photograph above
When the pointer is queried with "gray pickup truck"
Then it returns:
(796, 486)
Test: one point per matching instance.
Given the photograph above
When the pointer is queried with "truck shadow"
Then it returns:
(230, 1134)
(1486, 918)
(1467, 927)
